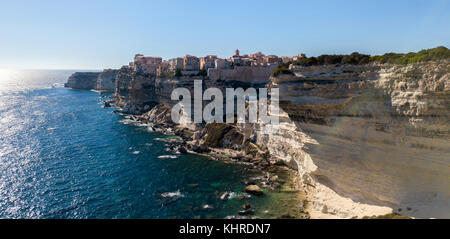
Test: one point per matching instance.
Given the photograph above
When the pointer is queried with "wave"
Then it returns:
(167, 157)
(172, 194)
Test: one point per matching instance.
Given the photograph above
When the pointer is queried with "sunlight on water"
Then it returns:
(5, 77)
(24, 80)
(4, 74)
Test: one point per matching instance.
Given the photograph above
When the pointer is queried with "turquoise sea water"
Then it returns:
(63, 156)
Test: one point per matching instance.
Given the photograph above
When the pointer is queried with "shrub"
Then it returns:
(356, 58)
(282, 70)
(178, 72)
(202, 72)
(437, 53)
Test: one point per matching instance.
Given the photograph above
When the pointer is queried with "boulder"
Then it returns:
(254, 189)
(274, 178)
(182, 150)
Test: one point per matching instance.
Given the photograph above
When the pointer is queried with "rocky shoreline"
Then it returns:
(275, 177)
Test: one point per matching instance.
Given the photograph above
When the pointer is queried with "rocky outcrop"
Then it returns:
(254, 189)
(82, 80)
(106, 81)
(159, 115)
(135, 91)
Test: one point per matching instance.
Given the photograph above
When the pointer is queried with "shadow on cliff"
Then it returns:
(366, 151)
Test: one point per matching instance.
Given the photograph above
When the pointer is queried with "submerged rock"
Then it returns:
(182, 150)
(207, 207)
(246, 212)
(250, 181)
(106, 104)
(224, 196)
(254, 189)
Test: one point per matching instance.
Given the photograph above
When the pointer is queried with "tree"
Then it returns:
(178, 72)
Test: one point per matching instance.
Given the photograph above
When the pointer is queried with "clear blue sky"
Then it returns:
(100, 34)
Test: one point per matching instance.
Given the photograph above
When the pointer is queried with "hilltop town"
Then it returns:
(253, 68)
(192, 65)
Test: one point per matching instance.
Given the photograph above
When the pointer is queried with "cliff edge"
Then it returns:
(82, 80)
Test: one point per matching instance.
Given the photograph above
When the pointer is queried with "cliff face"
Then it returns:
(137, 92)
(82, 80)
(103, 81)
(242, 74)
(106, 81)
(376, 134)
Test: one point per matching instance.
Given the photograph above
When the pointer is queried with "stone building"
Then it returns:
(295, 58)
(191, 63)
(271, 59)
(236, 59)
(286, 59)
(176, 63)
(146, 64)
(257, 58)
(163, 68)
(222, 64)
(208, 62)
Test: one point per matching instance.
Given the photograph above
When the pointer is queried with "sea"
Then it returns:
(62, 155)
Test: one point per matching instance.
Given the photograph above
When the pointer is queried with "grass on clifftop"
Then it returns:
(356, 58)
(437, 53)
(282, 69)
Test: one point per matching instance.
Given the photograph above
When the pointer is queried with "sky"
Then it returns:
(99, 34)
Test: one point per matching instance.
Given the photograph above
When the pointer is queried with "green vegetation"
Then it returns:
(178, 72)
(202, 72)
(437, 53)
(356, 58)
(282, 69)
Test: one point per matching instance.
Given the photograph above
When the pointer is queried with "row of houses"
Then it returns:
(191, 65)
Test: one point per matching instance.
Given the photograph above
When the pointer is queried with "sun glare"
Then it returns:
(4, 75)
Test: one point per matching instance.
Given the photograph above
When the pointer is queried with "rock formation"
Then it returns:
(106, 81)
(82, 80)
